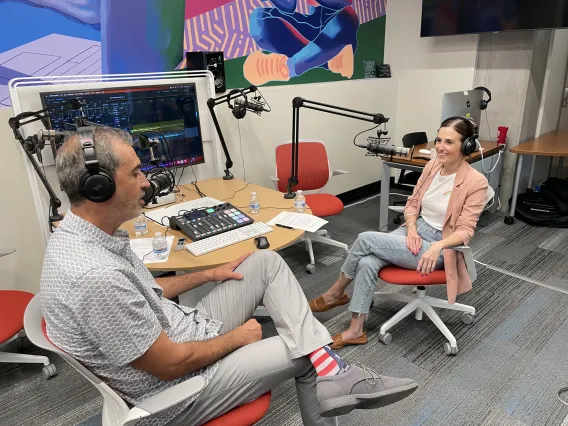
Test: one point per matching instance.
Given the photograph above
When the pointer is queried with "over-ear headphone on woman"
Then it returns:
(484, 103)
(469, 145)
(97, 184)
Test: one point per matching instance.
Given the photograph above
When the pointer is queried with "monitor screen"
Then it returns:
(449, 17)
(168, 110)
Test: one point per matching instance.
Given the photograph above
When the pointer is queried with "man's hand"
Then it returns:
(427, 262)
(227, 271)
(413, 241)
(249, 332)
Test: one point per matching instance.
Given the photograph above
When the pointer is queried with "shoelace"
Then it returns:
(373, 375)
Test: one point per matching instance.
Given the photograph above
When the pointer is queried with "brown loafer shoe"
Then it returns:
(319, 305)
(338, 341)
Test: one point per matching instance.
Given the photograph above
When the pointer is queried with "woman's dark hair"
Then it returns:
(462, 125)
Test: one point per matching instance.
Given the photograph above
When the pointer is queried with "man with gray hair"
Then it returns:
(103, 307)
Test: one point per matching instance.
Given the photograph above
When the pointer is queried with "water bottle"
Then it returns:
(141, 225)
(254, 203)
(160, 246)
(300, 202)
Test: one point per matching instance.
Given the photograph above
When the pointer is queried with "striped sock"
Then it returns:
(327, 362)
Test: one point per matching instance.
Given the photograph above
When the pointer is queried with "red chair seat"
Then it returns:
(13, 304)
(245, 415)
(324, 204)
(400, 276)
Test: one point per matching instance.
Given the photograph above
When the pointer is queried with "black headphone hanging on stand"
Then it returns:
(484, 103)
(97, 184)
(239, 111)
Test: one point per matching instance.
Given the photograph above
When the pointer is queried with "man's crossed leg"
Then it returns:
(253, 370)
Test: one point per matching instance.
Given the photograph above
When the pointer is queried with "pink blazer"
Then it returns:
(466, 203)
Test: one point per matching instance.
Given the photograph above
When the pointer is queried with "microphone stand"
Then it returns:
(212, 103)
(298, 103)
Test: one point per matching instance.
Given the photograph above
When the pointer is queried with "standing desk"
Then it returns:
(553, 144)
(416, 164)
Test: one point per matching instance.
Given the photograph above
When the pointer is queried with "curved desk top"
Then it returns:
(553, 144)
(237, 193)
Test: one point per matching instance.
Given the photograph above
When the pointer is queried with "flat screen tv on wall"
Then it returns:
(451, 17)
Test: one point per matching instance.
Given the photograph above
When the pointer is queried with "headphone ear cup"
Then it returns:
(239, 112)
(98, 188)
(469, 146)
(483, 104)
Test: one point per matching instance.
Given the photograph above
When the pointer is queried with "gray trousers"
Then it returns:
(253, 370)
(372, 251)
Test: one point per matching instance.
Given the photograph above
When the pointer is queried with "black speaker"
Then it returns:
(211, 61)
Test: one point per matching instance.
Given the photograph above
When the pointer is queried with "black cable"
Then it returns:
(201, 194)
(364, 131)
(242, 156)
(560, 392)
(180, 176)
(235, 193)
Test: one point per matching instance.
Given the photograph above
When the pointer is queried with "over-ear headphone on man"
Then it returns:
(484, 103)
(469, 145)
(97, 184)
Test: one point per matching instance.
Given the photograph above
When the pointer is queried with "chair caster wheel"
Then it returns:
(468, 318)
(509, 220)
(49, 371)
(397, 221)
(22, 343)
(449, 350)
(311, 268)
(386, 338)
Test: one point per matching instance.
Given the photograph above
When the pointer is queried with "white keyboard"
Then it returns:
(229, 238)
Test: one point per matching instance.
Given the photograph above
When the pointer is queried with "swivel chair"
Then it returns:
(314, 174)
(115, 410)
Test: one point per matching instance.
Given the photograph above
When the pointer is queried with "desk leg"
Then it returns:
(385, 190)
(509, 220)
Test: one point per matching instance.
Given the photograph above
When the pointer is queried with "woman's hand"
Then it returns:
(427, 262)
(413, 241)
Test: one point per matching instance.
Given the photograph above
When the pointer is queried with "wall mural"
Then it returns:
(265, 42)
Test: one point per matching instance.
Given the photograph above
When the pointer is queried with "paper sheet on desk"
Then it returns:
(143, 246)
(305, 222)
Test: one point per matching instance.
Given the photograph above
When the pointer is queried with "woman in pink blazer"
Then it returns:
(441, 213)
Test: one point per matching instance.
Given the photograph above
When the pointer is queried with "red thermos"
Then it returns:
(502, 134)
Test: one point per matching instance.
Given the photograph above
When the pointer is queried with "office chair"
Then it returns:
(115, 410)
(405, 178)
(314, 173)
(419, 303)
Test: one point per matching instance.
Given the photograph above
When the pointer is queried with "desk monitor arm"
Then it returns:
(212, 103)
(298, 103)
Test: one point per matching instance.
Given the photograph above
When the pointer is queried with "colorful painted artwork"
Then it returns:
(265, 42)
(288, 41)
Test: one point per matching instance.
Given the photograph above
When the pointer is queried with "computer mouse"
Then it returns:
(425, 151)
(261, 242)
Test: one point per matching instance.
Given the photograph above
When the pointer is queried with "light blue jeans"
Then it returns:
(372, 251)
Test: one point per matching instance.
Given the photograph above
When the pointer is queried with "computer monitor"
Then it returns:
(169, 110)
(465, 104)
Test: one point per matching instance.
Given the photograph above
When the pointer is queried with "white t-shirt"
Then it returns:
(435, 200)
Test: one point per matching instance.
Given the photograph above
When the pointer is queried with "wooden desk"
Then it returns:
(553, 144)
(271, 202)
(416, 165)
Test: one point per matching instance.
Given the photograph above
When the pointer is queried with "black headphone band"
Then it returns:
(486, 90)
(88, 146)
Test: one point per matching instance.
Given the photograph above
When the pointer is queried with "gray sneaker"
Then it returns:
(359, 387)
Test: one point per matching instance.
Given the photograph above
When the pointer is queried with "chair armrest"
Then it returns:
(469, 263)
(166, 399)
(338, 172)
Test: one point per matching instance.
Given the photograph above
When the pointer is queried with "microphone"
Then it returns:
(160, 184)
(375, 148)
(251, 106)
(53, 136)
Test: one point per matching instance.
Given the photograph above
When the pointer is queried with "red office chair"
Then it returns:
(313, 175)
(13, 304)
(421, 303)
(115, 410)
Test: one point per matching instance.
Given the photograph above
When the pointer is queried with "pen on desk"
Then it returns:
(284, 226)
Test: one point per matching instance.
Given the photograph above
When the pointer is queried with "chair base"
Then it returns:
(319, 236)
(419, 303)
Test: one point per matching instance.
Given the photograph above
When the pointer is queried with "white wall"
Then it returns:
(425, 68)
(19, 228)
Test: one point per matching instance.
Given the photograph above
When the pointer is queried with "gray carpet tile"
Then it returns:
(510, 364)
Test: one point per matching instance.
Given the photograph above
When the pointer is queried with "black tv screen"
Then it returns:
(450, 17)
